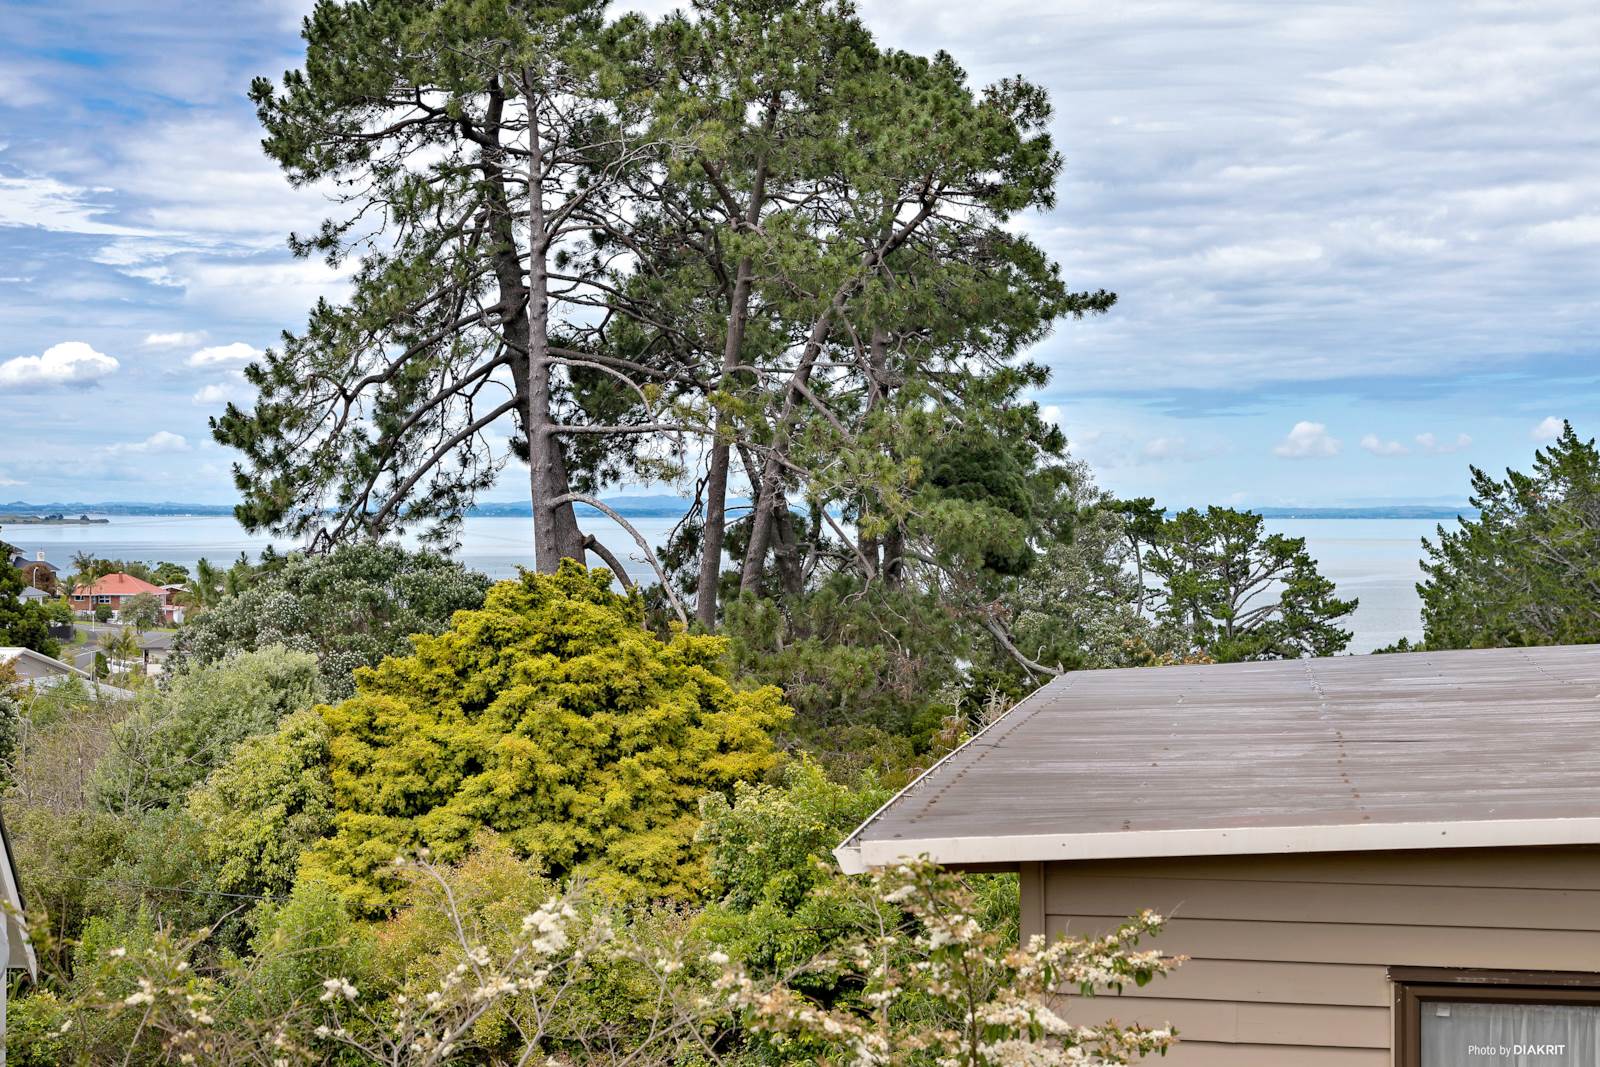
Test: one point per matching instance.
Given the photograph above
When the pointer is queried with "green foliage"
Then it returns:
(1526, 571)
(297, 945)
(549, 716)
(771, 860)
(169, 574)
(349, 608)
(861, 665)
(176, 737)
(266, 805)
(161, 869)
(1078, 608)
(11, 719)
(61, 859)
(103, 613)
(928, 983)
(1234, 593)
(982, 472)
(765, 846)
(23, 623)
(144, 611)
(34, 1036)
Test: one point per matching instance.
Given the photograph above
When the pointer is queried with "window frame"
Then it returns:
(1415, 985)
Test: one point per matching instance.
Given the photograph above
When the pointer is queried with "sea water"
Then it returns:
(1374, 560)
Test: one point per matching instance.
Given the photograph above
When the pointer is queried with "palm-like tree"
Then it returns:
(203, 590)
(121, 646)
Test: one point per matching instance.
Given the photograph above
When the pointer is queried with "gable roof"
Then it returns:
(30, 593)
(60, 671)
(1484, 747)
(118, 584)
(12, 652)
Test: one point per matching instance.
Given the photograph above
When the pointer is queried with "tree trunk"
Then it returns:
(873, 549)
(771, 475)
(716, 522)
(770, 495)
(555, 524)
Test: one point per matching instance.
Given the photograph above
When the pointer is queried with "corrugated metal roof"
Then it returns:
(1435, 749)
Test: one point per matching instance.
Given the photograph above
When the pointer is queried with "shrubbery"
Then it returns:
(603, 857)
(552, 717)
(349, 608)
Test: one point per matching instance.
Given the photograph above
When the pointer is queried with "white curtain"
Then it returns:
(1456, 1034)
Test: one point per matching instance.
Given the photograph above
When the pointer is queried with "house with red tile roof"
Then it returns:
(115, 590)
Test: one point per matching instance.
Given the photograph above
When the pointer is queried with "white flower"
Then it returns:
(337, 987)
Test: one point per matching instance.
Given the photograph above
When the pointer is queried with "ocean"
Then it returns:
(1375, 560)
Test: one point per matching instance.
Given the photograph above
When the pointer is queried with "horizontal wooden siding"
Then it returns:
(1289, 955)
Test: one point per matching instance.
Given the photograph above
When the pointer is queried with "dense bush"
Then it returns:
(349, 608)
(266, 805)
(176, 737)
(550, 716)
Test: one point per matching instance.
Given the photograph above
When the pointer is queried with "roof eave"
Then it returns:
(858, 855)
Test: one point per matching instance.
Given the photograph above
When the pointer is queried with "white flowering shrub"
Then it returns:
(524, 995)
(920, 981)
(936, 988)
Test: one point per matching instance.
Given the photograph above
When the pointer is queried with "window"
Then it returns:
(1448, 1018)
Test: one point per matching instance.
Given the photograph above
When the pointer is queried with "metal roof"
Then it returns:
(65, 671)
(1413, 750)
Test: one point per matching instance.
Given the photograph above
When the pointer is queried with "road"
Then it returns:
(81, 656)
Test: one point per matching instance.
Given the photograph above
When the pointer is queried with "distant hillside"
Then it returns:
(1397, 511)
(114, 507)
(638, 507)
(644, 507)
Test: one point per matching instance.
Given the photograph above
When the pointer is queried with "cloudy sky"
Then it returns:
(1357, 246)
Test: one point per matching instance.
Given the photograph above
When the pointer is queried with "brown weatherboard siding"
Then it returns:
(1290, 954)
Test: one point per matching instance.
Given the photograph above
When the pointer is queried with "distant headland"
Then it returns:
(18, 512)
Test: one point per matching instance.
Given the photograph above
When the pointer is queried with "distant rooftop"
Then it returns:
(118, 584)
(1418, 750)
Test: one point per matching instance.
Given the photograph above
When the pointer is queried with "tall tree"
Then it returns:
(748, 226)
(1230, 590)
(765, 88)
(23, 623)
(936, 168)
(1526, 571)
(473, 143)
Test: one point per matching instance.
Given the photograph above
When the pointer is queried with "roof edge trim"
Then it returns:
(856, 856)
(849, 848)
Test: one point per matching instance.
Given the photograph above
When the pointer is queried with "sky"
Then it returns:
(1356, 246)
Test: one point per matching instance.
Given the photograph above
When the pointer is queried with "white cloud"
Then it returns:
(176, 339)
(1162, 448)
(10, 481)
(1265, 255)
(216, 393)
(68, 363)
(159, 443)
(1379, 447)
(50, 204)
(1307, 440)
(1547, 430)
(238, 352)
(1578, 230)
(1435, 447)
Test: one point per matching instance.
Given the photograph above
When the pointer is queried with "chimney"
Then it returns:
(39, 556)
